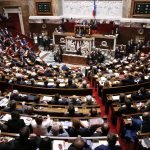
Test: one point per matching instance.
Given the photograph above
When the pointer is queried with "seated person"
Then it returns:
(129, 80)
(79, 129)
(23, 142)
(27, 110)
(89, 100)
(71, 112)
(111, 139)
(136, 124)
(102, 131)
(15, 123)
(11, 107)
(146, 122)
(57, 84)
(93, 112)
(40, 125)
(145, 107)
(45, 144)
(127, 109)
(79, 144)
(142, 94)
(84, 85)
(75, 100)
(64, 67)
(57, 100)
(58, 130)
(122, 98)
(14, 95)
(71, 84)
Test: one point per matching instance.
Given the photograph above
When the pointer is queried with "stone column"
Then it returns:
(126, 10)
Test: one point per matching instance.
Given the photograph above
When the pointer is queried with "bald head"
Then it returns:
(79, 143)
(146, 116)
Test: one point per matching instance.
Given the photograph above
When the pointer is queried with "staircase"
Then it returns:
(47, 56)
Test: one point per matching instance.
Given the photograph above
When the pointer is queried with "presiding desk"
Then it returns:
(74, 59)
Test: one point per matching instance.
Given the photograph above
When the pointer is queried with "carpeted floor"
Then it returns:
(125, 145)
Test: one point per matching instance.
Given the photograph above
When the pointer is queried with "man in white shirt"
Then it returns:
(40, 125)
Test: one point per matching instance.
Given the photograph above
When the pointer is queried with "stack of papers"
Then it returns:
(47, 98)
(146, 142)
(27, 120)
(4, 102)
(115, 98)
(6, 117)
(58, 145)
(40, 83)
(85, 123)
(66, 124)
(96, 121)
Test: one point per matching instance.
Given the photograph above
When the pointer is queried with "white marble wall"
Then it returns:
(104, 9)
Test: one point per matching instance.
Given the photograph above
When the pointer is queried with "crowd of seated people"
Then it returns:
(26, 140)
(55, 99)
(131, 69)
(95, 57)
(23, 66)
(20, 64)
(133, 109)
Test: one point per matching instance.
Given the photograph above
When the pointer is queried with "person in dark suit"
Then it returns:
(79, 144)
(146, 122)
(56, 99)
(23, 142)
(111, 139)
(79, 51)
(145, 108)
(71, 112)
(15, 124)
(102, 131)
(45, 144)
(142, 94)
(71, 84)
(129, 80)
(136, 125)
(127, 109)
(12, 107)
(78, 129)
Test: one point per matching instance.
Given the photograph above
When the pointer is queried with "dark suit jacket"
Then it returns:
(106, 147)
(84, 132)
(14, 126)
(19, 144)
(125, 110)
(138, 96)
(146, 126)
(86, 147)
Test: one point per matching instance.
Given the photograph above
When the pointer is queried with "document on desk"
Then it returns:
(27, 120)
(115, 98)
(96, 121)
(61, 80)
(66, 124)
(47, 98)
(4, 102)
(40, 83)
(85, 123)
(58, 145)
(145, 142)
(6, 117)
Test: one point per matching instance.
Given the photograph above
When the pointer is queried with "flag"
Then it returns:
(94, 10)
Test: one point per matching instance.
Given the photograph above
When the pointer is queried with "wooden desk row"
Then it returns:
(41, 90)
(60, 110)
